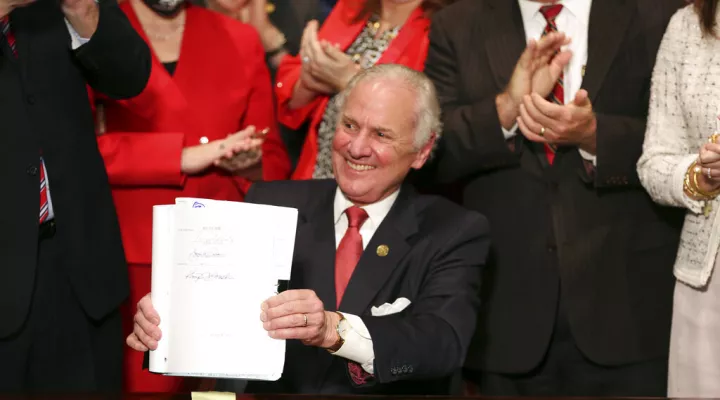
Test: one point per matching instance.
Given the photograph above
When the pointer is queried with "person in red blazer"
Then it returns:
(356, 35)
(195, 131)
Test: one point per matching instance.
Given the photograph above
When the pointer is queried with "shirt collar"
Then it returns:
(376, 211)
(580, 9)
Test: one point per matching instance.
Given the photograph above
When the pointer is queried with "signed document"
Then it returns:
(213, 264)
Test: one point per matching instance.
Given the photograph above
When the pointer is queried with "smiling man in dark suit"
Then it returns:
(546, 145)
(385, 281)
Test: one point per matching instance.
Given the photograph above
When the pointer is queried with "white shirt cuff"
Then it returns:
(588, 156)
(358, 344)
(509, 134)
(75, 39)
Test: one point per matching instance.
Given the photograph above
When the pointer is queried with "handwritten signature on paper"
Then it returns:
(205, 254)
(208, 276)
(210, 236)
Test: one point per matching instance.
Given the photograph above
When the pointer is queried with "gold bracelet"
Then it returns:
(692, 187)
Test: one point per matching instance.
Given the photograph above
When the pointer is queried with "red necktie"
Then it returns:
(349, 251)
(44, 205)
(558, 93)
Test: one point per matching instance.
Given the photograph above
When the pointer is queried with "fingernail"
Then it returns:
(266, 325)
(155, 321)
(153, 344)
(263, 317)
(264, 306)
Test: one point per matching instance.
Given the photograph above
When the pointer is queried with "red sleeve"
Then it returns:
(288, 75)
(143, 159)
(261, 113)
(139, 158)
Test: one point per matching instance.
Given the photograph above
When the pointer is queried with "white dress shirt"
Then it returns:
(75, 42)
(358, 345)
(573, 20)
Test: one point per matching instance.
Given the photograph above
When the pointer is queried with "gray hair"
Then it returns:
(427, 109)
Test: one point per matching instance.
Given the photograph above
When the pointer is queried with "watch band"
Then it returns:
(340, 341)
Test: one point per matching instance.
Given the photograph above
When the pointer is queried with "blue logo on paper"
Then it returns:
(197, 204)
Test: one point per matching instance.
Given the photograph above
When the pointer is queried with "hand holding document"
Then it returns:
(214, 263)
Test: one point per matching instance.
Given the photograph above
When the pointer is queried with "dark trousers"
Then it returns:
(565, 371)
(59, 348)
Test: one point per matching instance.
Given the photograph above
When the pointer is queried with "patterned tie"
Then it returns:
(44, 204)
(349, 251)
(7, 33)
(558, 93)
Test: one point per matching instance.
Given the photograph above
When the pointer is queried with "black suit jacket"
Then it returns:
(593, 237)
(44, 105)
(436, 253)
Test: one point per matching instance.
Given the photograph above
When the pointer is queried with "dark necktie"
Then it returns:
(349, 250)
(558, 93)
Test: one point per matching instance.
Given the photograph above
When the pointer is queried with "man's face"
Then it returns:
(373, 148)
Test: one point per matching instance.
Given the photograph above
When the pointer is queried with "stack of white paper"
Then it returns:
(213, 264)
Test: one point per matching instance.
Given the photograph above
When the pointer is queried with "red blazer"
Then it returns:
(221, 85)
(409, 48)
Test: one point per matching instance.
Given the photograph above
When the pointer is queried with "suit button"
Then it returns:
(551, 248)
(393, 371)
(279, 84)
(404, 369)
(204, 140)
(32, 170)
(410, 369)
(30, 99)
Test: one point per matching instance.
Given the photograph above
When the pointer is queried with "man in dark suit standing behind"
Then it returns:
(61, 257)
(545, 137)
(385, 281)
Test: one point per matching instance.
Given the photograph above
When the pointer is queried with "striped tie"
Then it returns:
(7, 33)
(557, 95)
(44, 204)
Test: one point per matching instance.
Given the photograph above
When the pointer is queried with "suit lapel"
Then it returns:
(373, 270)
(603, 43)
(504, 37)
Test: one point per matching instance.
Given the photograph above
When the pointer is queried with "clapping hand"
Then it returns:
(246, 154)
(325, 68)
(709, 162)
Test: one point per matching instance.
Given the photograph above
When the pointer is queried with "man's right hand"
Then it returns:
(146, 330)
(537, 70)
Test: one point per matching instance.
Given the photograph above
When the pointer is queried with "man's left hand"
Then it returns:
(83, 15)
(299, 314)
(572, 124)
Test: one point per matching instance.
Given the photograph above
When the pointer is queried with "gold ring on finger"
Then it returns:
(305, 318)
(709, 173)
(542, 131)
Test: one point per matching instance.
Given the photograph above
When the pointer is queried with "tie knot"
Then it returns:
(356, 216)
(551, 12)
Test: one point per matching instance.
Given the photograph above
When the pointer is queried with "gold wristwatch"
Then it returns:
(341, 328)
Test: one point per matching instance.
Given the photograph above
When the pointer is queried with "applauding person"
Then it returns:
(356, 36)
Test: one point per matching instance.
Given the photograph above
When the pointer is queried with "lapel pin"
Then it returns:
(382, 250)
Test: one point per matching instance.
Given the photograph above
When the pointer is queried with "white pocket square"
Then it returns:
(387, 308)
